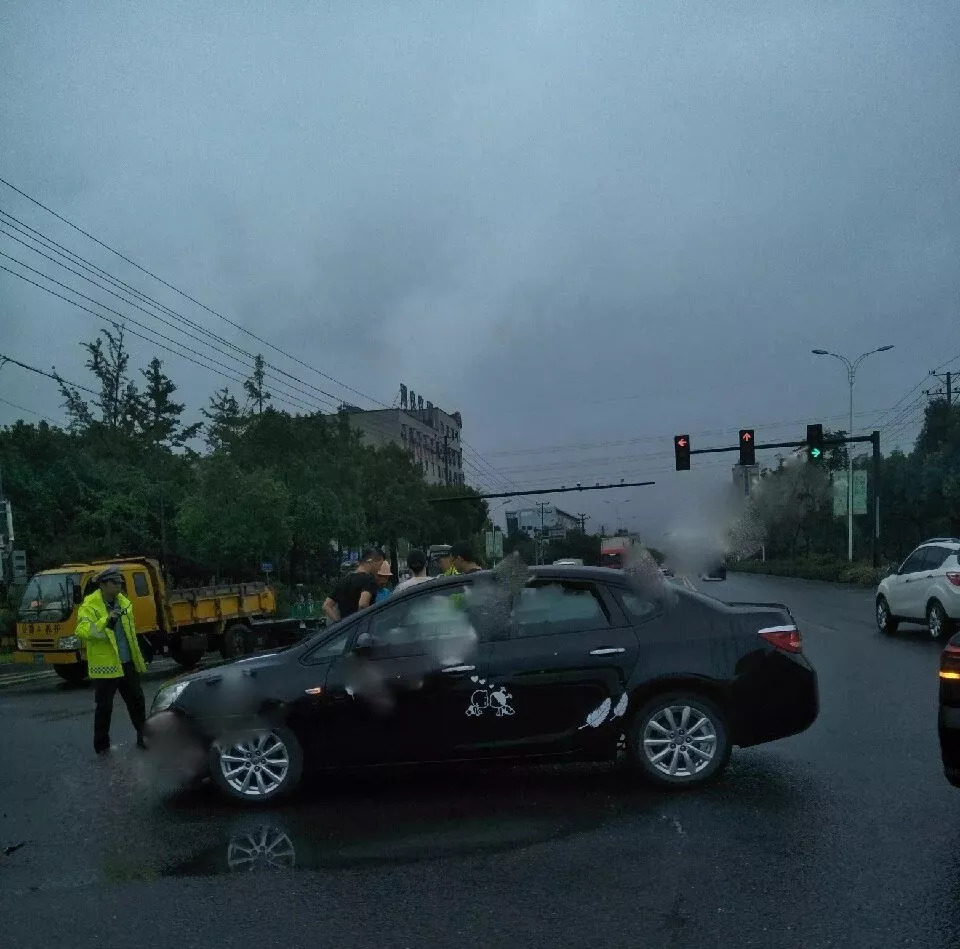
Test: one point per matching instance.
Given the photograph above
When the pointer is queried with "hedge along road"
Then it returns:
(839, 836)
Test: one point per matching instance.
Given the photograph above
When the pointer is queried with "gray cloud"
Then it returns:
(575, 222)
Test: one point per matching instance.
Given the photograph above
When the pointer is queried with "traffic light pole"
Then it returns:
(873, 438)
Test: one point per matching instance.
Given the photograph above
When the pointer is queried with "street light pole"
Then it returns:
(851, 378)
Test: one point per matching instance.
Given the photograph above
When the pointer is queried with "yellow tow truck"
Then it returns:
(235, 619)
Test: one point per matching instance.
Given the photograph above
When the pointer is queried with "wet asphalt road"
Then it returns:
(847, 835)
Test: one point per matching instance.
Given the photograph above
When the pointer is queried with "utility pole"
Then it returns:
(583, 522)
(543, 507)
(875, 540)
(947, 380)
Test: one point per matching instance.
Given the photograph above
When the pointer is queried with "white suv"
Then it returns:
(926, 589)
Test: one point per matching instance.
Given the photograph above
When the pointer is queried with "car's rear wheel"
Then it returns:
(259, 767)
(885, 621)
(939, 624)
(679, 739)
(74, 673)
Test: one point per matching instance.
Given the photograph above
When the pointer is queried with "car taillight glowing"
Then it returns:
(950, 662)
(954, 578)
(786, 638)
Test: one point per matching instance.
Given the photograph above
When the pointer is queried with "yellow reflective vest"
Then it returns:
(103, 660)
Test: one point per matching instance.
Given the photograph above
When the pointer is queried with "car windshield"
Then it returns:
(48, 597)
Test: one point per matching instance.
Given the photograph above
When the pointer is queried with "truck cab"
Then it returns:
(233, 618)
(47, 616)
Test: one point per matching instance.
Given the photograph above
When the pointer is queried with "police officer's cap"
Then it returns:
(110, 573)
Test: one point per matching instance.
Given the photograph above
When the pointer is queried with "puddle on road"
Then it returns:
(271, 846)
(389, 819)
(368, 823)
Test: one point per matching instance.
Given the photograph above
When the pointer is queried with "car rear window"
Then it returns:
(638, 608)
(935, 557)
(558, 607)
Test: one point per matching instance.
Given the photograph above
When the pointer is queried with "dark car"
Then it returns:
(717, 572)
(948, 723)
(561, 663)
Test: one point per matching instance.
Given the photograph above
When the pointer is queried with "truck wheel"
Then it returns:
(235, 643)
(185, 658)
(75, 673)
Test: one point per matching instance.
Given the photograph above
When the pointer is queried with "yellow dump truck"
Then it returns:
(235, 619)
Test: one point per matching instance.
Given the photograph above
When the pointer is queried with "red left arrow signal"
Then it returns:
(682, 442)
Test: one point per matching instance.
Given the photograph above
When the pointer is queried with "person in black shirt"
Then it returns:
(462, 557)
(357, 590)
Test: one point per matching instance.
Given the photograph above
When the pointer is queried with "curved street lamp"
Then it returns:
(851, 376)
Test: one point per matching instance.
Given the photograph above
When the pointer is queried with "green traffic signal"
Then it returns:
(814, 452)
(815, 442)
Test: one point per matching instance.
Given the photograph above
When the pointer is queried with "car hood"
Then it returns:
(248, 666)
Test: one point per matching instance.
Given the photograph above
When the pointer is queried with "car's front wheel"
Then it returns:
(258, 767)
(938, 622)
(679, 739)
(885, 621)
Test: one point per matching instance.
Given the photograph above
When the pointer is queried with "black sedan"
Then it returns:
(949, 717)
(562, 663)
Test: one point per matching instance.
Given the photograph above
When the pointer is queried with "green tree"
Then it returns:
(117, 407)
(255, 387)
(226, 422)
(160, 417)
(233, 518)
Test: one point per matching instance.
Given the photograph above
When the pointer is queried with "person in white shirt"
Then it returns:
(417, 564)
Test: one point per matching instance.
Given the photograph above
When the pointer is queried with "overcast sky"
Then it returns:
(578, 223)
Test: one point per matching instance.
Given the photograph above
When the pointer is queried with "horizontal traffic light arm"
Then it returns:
(521, 494)
(827, 443)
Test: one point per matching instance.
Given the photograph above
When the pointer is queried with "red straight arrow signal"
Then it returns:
(746, 436)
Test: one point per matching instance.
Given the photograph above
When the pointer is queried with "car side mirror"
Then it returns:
(364, 644)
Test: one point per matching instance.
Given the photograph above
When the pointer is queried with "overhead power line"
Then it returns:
(481, 460)
(153, 342)
(49, 244)
(183, 293)
(56, 378)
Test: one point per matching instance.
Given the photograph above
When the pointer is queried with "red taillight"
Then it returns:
(954, 578)
(786, 638)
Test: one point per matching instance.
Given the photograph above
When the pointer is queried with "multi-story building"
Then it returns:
(553, 522)
(431, 436)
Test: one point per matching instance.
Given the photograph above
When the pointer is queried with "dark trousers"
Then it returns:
(132, 695)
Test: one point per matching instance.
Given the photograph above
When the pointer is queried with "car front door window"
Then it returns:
(401, 692)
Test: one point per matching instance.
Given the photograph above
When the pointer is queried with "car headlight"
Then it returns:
(22, 643)
(167, 696)
(69, 642)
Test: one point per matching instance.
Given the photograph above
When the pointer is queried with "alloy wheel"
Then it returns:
(257, 767)
(935, 620)
(883, 615)
(680, 741)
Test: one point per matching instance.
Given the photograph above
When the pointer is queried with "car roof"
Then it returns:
(953, 542)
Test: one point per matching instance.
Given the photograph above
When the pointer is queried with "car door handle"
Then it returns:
(608, 651)
(452, 670)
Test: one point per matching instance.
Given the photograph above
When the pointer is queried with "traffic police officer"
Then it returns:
(114, 660)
